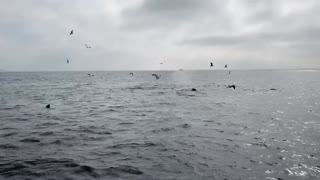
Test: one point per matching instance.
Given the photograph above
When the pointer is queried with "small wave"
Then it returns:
(9, 134)
(46, 124)
(90, 130)
(167, 103)
(219, 130)
(60, 169)
(58, 142)
(261, 144)
(47, 133)
(126, 123)
(8, 146)
(30, 140)
(9, 128)
(28, 167)
(143, 87)
(6, 108)
(167, 129)
(150, 87)
(21, 119)
(126, 169)
(186, 94)
(116, 107)
(133, 145)
(13, 107)
(303, 170)
(103, 132)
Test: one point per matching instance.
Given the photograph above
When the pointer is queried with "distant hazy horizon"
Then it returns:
(152, 70)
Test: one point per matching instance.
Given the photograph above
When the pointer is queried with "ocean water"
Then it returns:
(118, 126)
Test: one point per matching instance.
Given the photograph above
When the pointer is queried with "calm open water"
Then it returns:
(118, 126)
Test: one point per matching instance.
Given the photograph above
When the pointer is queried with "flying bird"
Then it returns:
(226, 66)
(211, 64)
(155, 75)
(68, 61)
(71, 32)
(87, 46)
(48, 106)
(231, 86)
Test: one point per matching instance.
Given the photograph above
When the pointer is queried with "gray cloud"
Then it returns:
(137, 34)
(168, 14)
(304, 36)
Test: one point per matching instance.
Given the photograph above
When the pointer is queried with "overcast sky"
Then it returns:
(139, 34)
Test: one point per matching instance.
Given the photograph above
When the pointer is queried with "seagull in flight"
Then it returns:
(231, 86)
(71, 32)
(87, 46)
(155, 75)
(211, 64)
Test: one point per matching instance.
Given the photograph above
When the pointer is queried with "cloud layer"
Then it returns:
(139, 34)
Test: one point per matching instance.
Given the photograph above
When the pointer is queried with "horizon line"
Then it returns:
(236, 69)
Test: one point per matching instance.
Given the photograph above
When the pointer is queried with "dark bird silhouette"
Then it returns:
(155, 75)
(68, 61)
(231, 86)
(193, 89)
(87, 46)
(48, 106)
(226, 66)
(71, 32)
(211, 64)
(131, 74)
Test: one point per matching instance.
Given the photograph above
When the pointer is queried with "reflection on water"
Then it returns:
(118, 126)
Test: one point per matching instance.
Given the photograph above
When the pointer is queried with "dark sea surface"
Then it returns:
(118, 126)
